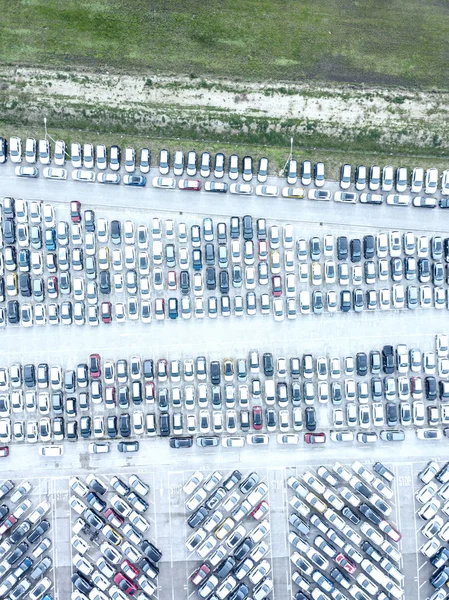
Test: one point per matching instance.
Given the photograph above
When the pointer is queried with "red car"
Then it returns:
(125, 584)
(315, 438)
(129, 569)
(113, 518)
(10, 521)
(106, 312)
(4, 451)
(260, 511)
(95, 366)
(75, 211)
(190, 184)
(200, 574)
(345, 563)
(257, 418)
(277, 285)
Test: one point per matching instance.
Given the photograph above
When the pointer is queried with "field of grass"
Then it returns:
(397, 42)
(277, 155)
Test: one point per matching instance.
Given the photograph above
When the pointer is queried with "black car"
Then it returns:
(299, 524)
(368, 247)
(20, 532)
(207, 441)
(349, 514)
(248, 231)
(424, 270)
(225, 567)
(85, 426)
(310, 418)
(18, 553)
(184, 282)
(153, 553)
(342, 248)
(9, 232)
(237, 278)
(211, 279)
(356, 250)
(125, 425)
(164, 425)
(181, 442)
(224, 282)
(111, 426)
(388, 359)
(317, 302)
(13, 312)
(81, 583)
(370, 514)
(3, 149)
(4, 510)
(148, 568)
(250, 482)
(215, 372)
(391, 411)
(126, 447)
(376, 389)
(339, 577)
(361, 364)
(345, 300)
(38, 531)
(93, 520)
(430, 384)
(232, 480)
(243, 549)
(29, 375)
(209, 254)
(105, 282)
(197, 517)
(116, 232)
(268, 364)
(57, 403)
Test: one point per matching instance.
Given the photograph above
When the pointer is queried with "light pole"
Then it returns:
(282, 171)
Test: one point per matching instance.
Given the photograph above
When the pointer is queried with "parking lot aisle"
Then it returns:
(413, 560)
(177, 538)
(278, 533)
(61, 527)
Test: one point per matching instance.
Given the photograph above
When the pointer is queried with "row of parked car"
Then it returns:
(25, 562)
(341, 534)
(229, 515)
(88, 157)
(215, 261)
(114, 558)
(432, 507)
(260, 393)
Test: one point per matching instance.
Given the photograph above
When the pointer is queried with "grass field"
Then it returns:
(398, 42)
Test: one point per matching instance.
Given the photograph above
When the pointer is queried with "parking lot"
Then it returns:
(330, 334)
(169, 527)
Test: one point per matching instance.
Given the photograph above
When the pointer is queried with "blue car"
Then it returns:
(50, 239)
(135, 180)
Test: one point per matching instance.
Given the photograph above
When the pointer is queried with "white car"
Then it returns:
(55, 173)
(164, 182)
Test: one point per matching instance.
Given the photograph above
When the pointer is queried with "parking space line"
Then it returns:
(416, 535)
